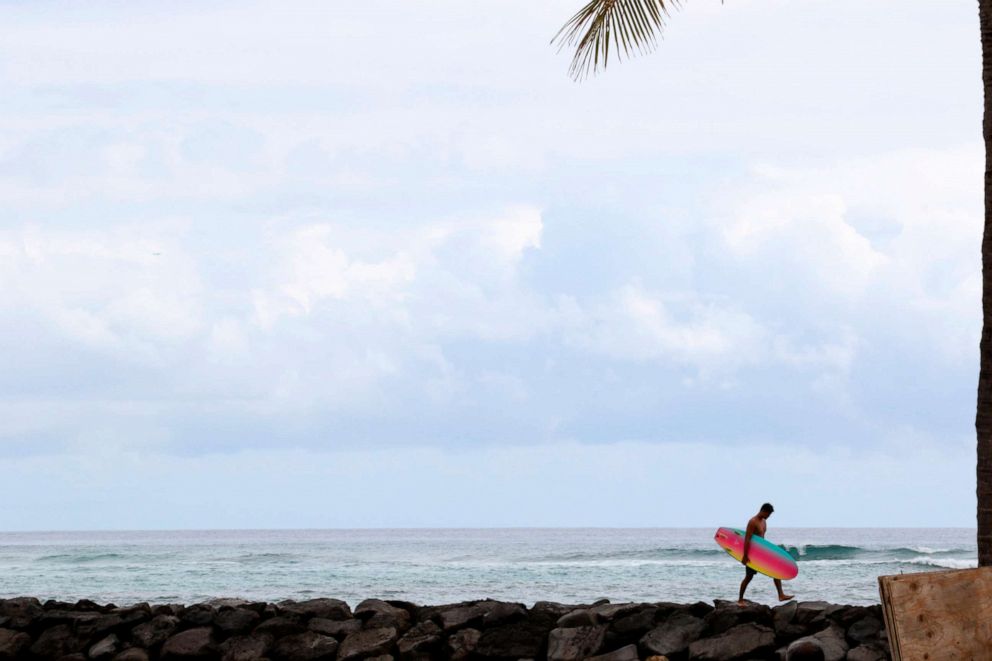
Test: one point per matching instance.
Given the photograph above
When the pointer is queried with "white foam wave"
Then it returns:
(946, 563)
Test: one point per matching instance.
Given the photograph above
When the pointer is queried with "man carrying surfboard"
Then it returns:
(757, 527)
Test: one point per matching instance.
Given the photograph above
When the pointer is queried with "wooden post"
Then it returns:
(939, 616)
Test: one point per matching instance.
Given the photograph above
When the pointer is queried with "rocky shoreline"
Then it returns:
(329, 629)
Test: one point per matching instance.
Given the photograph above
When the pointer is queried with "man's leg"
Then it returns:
(781, 595)
(748, 575)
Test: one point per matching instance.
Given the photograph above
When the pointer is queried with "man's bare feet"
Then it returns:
(742, 602)
(786, 597)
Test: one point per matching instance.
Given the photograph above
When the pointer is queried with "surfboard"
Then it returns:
(763, 556)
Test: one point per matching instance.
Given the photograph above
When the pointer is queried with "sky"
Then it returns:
(384, 264)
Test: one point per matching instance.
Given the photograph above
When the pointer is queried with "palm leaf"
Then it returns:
(631, 26)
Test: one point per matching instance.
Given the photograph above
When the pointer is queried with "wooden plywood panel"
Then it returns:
(939, 616)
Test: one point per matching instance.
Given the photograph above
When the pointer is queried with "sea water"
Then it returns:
(448, 565)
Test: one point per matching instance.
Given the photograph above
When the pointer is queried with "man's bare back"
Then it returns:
(756, 527)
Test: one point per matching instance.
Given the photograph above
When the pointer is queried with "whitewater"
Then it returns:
(425, 566)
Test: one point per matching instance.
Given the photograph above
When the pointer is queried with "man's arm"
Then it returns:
(747, 542)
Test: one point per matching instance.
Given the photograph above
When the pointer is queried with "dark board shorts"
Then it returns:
(748, 572)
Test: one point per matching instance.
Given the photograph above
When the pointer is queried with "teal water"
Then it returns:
(447, 565)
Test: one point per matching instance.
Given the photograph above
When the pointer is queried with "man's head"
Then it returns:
(766, 510)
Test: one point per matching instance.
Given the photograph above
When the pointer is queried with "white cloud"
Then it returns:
(634, 324)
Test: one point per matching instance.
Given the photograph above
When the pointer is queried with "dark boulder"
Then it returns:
(56, 641)
(102, 625)
(743, 641)
(867, 653)
(864, 630)
(805, 649)
(462, 616)
(13, 644)
(378, 614)
(501, 612)
(611, 612)
(330, 609)
(20, 611)
(582, 617)
(306, 646)
(105, 648)
(635, 624)
(90, 605)
(236, 620)
(278, 627)
(244, 648)
(628, 653)
(520, 640)
(132, 654)
(462, 643)
(367, 642)
(197, 615)
(421, 640)
(728, 614)
(673, 636)
(337, 628)
(833, 642)
(155, 630)
(698, 609)
(195, 643)
(575, 643)
(548, 611)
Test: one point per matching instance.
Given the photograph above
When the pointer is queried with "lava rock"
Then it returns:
(831, 640)
(155, 630)
(674, 635)
(132, 654)
(21, 611)
(583, 617)
(803, 650)
(195, 643)
(575, 643)
(105, 648)
(378, 614)
(306, 646)
(420, 640)
(197, 615)
(864, 630)
(13, 643)
(244, 648)
(867, 653)
(55, 642)
(501, 612)
(337, 628)
(236, 620)
(611, 612)
(628, 653)
(742, 641)
(329, 609)
(278, 627)
(367, 642)
(521, 640)
(463, 616)
(462, 643)
(728, 615)
(636, 624)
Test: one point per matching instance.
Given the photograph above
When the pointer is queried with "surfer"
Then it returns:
(756, 527)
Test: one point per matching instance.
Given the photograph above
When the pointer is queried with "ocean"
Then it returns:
(432, 566)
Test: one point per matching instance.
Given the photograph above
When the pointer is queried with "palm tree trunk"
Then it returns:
(983, 418)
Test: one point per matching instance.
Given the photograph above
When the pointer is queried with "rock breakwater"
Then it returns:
(330, 630)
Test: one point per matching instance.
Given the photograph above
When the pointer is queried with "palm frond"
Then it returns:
(631, 26)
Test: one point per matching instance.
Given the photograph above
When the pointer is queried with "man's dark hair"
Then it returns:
(767, 507)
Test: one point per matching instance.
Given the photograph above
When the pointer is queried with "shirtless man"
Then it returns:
(756, 527)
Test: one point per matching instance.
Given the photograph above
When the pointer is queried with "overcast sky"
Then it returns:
(322, 264)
